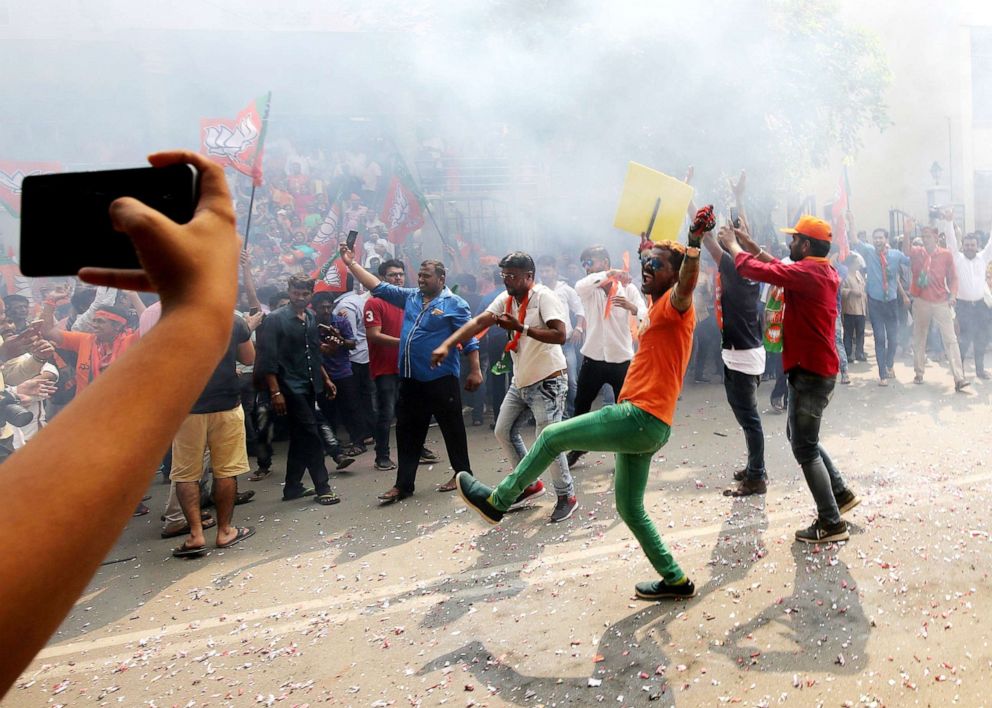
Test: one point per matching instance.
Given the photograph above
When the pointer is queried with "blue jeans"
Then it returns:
(387, 390)
(884, 316)
(839, 345)
(742, 395)
(546, 400)
(809, 395)
(572, 364)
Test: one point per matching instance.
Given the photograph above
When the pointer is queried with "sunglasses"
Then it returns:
(651, 263)
(586, 263)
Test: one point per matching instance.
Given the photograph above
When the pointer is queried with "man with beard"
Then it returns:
(640, 423)
(809, 358)
(534, 320)
(431, 312)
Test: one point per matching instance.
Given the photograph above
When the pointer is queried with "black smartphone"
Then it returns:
(65, 218)
(735, 217)
(352, 238)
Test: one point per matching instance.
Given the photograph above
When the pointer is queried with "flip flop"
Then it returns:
(259, 475)
(327, 499)
(448, 487)
(185, 551)
(208, 523)
(308, 492)
(243, 533)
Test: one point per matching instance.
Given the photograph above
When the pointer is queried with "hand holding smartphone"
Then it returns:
(65, 218)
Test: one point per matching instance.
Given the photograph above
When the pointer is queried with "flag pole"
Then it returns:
(258, 153)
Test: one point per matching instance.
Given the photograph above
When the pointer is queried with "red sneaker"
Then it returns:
(532, 492)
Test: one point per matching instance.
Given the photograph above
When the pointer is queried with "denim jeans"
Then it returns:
(387, 390)
(839, 345)
(973, 319)
(742, 395)
(809, 395)
(572, 364)
(546, 400)
(884, 316)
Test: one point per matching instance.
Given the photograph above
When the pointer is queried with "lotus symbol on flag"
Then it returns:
(400, 209)
(221, 141)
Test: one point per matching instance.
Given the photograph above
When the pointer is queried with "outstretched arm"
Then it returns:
(124, 420)
(364, 277)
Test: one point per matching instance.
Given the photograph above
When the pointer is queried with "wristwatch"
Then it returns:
(524, 331)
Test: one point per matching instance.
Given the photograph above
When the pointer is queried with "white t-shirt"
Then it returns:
(571, 302)
(746, 361)
(534, 360)
(608, 338)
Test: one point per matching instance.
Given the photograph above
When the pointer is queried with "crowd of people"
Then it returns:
(334, 365)
(331, 350)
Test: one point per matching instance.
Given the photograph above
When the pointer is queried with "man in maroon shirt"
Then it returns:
(809, 358)
(934, 289)
(383, 323)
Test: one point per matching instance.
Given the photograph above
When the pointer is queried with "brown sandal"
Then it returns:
(450, 486)
(393, 495)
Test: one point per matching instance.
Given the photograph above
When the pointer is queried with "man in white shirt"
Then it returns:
(534, 319)
(547, 269)
(351, 306)
(608, 298)
(972, 308)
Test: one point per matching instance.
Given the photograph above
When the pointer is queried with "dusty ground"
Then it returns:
(420, 603)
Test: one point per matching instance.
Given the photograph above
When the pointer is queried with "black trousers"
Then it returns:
(418, 401)
(854, 336)
(366, 399)
(973, 319)
(595, 374)
(306, 449)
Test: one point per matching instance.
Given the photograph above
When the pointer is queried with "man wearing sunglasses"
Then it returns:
(640, 424)
(534, 320)
(608, 298)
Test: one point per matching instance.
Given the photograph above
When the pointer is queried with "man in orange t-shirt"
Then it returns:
(96, 351)
(640, 423)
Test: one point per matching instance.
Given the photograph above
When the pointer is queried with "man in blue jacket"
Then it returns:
(431, 313)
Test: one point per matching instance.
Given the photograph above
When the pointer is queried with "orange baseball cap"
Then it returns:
(811, 227)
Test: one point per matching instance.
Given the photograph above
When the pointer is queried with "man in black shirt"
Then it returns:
(743, 354)
(289, 363)
(217, 423)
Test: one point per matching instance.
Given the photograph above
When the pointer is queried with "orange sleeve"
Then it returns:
(74, 340)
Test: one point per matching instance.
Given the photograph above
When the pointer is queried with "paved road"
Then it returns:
(421, 604)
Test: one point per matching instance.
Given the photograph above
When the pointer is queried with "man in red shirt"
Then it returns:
(809, 358)
(934, 289)
(383, 323)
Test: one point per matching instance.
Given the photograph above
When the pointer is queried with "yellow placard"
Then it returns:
(643, 190)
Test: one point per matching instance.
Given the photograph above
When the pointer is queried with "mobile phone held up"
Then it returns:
(65, 218)
(352, 239)
(735, 217)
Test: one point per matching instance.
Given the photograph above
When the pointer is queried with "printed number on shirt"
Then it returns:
(369, 316)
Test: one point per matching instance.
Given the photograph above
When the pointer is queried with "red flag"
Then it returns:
(237, 143)
(12, 174)
(401, 211)
(332, 276)
(838, 215)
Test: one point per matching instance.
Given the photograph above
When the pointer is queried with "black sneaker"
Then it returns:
(384, 464)
(565, 507)
(847, 500)
(574, 456)
(476, 495)
(343, 461)
(660, 590)
(818, 532)
(530, 492)
(428, 458)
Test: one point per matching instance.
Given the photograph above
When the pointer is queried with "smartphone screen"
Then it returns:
(65, 219)
(352, 238)
(735, 217)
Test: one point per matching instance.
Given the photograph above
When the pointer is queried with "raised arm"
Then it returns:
(114, 433)
(249, 282)
(370, 281)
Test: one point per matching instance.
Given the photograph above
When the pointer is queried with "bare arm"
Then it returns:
(249, 282)
(374, 334)
(464, 333)
(135, 301)
(124, 420)
(364, 277)
(688, 275)
(246, 353)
